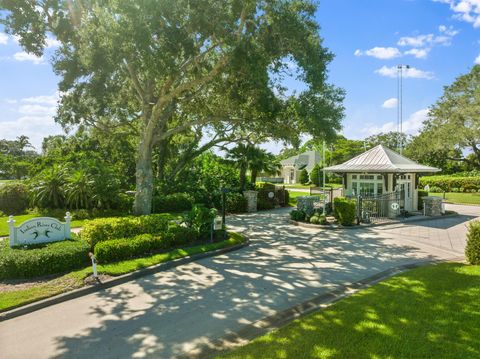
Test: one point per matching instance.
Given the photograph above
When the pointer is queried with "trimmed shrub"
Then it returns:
(322, 220)
(176, 202)
(472, 249)
(179, 236)
(287, 198)
(297, 215)
(344, 211)
(315, 219)
(125, 248)
(103, 229)
(448, 183)
(41, 260)
(13, 198)
(304, 176)
(236, 203)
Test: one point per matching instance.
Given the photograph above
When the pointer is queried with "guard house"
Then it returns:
(380, 171)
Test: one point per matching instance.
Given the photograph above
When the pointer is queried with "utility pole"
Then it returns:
(400, 103)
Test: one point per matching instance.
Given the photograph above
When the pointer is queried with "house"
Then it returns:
(380, 171)
(293, 166)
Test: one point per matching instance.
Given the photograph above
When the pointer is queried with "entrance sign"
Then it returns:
(39, 230)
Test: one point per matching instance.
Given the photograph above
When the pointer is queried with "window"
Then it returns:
(367, 184)
(379, 188)
(354, 176)
(367, 188)
(379, 177)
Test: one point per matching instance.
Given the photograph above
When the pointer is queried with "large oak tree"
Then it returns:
(166, 67)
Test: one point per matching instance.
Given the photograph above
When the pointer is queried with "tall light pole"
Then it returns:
(400, 69)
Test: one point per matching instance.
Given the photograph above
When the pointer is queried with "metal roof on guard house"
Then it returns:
(381, 159)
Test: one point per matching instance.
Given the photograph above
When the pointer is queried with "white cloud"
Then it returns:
(49, 99)
(416, 41)
(465, 10)
(477, 60)
(410, 126)
(24, 56)
(418, 53)
(35, 118)
(411, 72)
(3, 38)
(390, 103)
(383, 53)
(444, 38)
(52, 42)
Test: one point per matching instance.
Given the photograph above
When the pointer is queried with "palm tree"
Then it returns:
(78, 190)
(248, 157)
(48, 190)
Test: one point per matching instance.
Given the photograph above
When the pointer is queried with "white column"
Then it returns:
(12, 231)
(68, 219)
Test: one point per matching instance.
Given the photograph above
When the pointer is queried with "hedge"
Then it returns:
(13, 198)
(125, 248)
(176, 202)
(41, 260)
(452, 183)
(344, 210)
(472, 249)
(236, 203)
(103, 229)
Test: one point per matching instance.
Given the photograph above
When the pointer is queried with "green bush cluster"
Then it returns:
(176, 202)
(40, 260)
(236, 202)
(125, 248)
(179, 235)
(200, 219)
(265, 204)
(103, 229)
(318, 219)
(451, 183)
(304, 178)
(472, 249)
(344, 210)
(297, 215)
(13, 198)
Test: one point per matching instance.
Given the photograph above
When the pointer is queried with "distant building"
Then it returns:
(291, 167)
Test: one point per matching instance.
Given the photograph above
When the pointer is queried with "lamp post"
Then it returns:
(400, 69)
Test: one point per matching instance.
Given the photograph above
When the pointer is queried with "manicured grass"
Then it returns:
(73, 280)
(454, 197)
(429, 312)
(293, 197)
(299, 185)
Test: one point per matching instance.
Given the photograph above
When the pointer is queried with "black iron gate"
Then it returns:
(380, 208)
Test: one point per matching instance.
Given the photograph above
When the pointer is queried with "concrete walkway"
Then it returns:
(174, 312)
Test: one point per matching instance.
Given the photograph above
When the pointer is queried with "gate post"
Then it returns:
(359, 209)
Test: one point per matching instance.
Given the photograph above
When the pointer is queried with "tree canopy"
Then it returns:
(164, 68)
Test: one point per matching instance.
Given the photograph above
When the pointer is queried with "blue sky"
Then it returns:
(438, 39)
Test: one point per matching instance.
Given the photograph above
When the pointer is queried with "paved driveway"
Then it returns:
(174, 312)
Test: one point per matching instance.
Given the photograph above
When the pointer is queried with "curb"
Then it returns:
(284, 317)
(336, 227)
(80, 292)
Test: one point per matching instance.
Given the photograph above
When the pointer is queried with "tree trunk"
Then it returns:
(243, 176)
(144, 180)
(253, 178)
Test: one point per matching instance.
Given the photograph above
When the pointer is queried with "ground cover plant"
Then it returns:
(429, 312)
(10, 298)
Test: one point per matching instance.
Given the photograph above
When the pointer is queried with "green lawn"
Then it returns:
(299, 185)
(467, 198)
(73, 280)
(429, 312)
(293, 197)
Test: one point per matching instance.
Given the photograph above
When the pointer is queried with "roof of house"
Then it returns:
(380, 159)
(306, 160)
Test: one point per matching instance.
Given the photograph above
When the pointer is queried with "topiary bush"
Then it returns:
(13, 198)
(176, 202)
(125, 248)
(41, 260)
(472, 249)
(322, 220)
(304, 178)
(315, 219)
(344, 210)
(103, 229)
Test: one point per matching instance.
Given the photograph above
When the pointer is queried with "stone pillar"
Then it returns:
(432, 206)
(251, 197)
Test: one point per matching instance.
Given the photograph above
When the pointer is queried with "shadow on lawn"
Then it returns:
(186, 308)
(431, 312)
